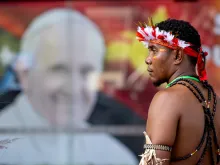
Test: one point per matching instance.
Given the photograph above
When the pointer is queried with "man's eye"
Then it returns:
(154, 50)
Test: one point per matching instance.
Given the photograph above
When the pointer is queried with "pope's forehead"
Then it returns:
(67, 56)
(58, 45)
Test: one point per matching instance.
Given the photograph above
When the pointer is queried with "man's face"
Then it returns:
(58, 84)
(159, 62)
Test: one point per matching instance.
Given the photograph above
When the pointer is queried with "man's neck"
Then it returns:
(181, 73)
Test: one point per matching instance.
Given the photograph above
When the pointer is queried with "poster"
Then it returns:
(78, 64)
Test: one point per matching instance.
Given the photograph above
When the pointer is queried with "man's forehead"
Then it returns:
(151, 44)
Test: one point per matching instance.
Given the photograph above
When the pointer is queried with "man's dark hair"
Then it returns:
(184, 31)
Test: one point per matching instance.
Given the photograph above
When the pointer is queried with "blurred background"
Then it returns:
(73, 83)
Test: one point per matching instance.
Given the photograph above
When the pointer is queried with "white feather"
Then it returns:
(142, 32)
(182, 44)
(159, 32)
(168, 37)
(149, 31)
(145, 43)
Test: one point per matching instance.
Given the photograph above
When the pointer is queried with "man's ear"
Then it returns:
(178, 56)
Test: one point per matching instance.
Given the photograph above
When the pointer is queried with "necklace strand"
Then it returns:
(209, 117)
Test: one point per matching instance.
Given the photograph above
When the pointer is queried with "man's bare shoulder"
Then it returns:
(163, 116)
(171, 99)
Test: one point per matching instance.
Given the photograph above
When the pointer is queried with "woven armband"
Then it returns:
(149, 157)
(158, 147)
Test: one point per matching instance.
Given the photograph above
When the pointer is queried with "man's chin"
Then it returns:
(156, 83)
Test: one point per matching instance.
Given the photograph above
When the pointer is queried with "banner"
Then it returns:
(78, 65)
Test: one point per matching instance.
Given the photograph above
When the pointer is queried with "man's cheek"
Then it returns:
(154, 57)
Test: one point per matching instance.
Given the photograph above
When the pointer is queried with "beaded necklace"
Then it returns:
(182, 77)
(208, 116)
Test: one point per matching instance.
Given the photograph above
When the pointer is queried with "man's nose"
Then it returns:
(148, 60)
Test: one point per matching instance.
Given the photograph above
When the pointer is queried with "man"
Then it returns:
(182, 125)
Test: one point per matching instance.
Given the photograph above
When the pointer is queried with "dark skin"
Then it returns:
(175, 116)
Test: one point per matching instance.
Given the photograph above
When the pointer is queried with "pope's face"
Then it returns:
(59, 84)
